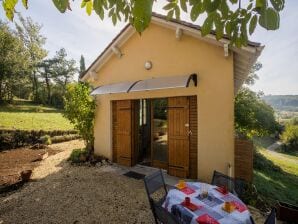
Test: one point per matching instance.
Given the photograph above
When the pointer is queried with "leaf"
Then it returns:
(243, 35)
(83, 4)
(9, 7)
(177, 12)
(183, 5)
(228, 28)
(89, 7)
(169, 6)
(61, 5)
(249, 7)
(269, 19)
(111, 12)
(224, 8)
(207, 26)
(98, 8)
(25, 3)
(196, 10)
(253, 24)
(170, 15)
(234, 1)
(211, 5)
(219, 26)
(278, 4)
(142, 11)
(114, 19)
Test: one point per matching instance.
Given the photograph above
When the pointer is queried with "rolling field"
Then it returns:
(28, 116)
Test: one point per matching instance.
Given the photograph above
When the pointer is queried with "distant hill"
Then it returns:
(282, 102)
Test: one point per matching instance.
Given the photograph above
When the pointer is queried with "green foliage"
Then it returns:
(29, 32)
(64, 138)
(56, 73)
(82, 65)
(290, 137)
(10, 139)
(46, 139)
(236, 22)
(80, 110)
(252, 115)
(13, 61)
(78, 155)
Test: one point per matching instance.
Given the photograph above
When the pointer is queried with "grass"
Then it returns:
(279, 181)
(28, 116)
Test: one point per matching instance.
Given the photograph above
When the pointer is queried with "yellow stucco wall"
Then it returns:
(172, 57)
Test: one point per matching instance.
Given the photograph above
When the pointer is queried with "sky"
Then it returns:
(81, 34)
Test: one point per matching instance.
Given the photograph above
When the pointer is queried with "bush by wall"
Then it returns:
(10, 139)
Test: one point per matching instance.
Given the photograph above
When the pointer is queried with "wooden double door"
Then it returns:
(173, 135)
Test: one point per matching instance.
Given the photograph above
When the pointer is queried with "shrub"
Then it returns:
(10, 139)
(46, 139)
(78, 155)
(64, 138)
(290, 137)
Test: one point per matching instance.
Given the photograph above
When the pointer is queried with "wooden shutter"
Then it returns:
(193, 150)
(124, 132)
(178, 131)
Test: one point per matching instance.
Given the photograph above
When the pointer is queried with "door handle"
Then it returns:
(189, 133)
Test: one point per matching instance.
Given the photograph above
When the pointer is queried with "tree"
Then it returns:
(232, 18)
(34, 42)
(13, 61)
(64, 69)
(82, 65)
(46, 73)
(253, 117)
(79, 108)
(252, 76)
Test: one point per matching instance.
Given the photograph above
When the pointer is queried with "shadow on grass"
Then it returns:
(273, 183)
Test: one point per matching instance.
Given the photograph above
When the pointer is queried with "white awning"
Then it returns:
(165, 83)
(121, 87)
(148, 84)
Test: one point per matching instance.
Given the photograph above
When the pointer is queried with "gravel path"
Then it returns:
(67, 194)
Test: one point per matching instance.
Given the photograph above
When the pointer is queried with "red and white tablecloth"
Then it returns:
(206, 210)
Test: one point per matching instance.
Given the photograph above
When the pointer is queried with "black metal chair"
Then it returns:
(222, 180)
(240, 187)
(162, 215)
(155, 183)
(271, 219)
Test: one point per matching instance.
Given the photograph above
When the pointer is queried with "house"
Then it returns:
(165, 98)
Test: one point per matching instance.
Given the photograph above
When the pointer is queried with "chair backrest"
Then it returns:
(222, 180)
(154, 182)
(163, 215)
(241, 187)
(271, 219)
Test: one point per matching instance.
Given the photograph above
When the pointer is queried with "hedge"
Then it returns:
(10, 139)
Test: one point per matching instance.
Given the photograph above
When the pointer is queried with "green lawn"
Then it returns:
(278, 185)
(28, 116)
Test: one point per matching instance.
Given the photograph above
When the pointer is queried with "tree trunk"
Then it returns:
(48, 88)
(35, 87)
(0, 90)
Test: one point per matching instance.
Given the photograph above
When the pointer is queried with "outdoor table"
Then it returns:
(206, 210)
